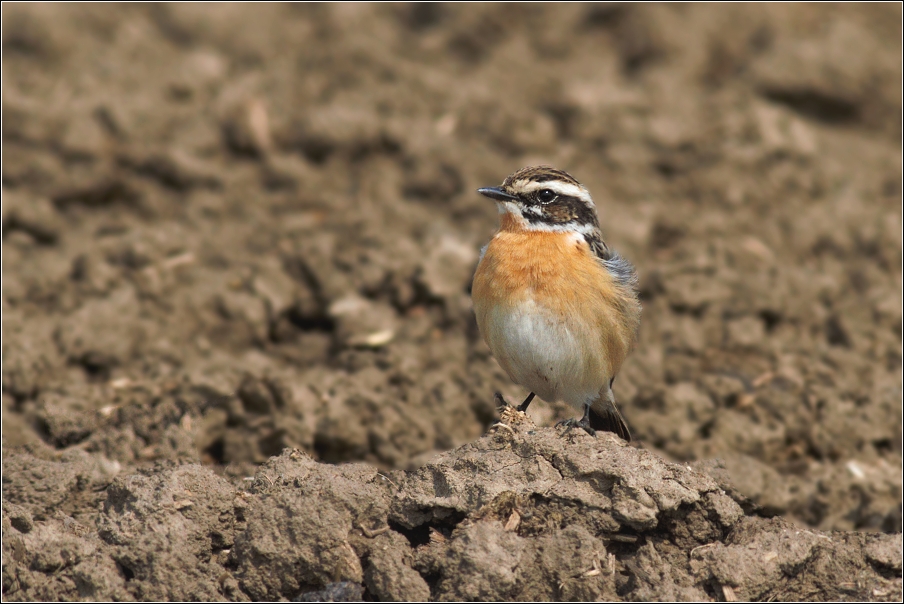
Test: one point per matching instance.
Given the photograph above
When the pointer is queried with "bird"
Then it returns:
(558, 307)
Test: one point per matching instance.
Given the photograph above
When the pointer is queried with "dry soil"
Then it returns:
(232, 230)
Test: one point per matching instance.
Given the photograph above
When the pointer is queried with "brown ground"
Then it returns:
(228, 230)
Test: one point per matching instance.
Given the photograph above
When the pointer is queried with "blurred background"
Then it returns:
(230, 229)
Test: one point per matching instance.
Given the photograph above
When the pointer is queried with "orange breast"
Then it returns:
(559, 272)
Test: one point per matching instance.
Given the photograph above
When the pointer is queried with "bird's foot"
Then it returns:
(571, 423)
(511, 415)
(500, 402)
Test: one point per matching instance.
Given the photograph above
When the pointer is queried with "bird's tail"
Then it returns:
(604, 415)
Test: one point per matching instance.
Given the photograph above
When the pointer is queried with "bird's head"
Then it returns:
(542, 198)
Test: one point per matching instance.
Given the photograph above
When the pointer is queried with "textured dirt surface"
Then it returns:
(232, 230)
(520, 514)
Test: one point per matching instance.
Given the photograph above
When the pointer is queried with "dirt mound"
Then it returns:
(232, 230)
(523, 514)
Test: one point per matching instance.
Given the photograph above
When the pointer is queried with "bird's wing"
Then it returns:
(622, 270)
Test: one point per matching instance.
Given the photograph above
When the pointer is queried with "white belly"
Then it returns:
(544, 353)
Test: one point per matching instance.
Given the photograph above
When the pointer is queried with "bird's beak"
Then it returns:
(497, 194)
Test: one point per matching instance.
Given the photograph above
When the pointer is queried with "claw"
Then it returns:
(571, 422)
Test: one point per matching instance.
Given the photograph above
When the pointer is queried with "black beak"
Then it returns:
(497, 194)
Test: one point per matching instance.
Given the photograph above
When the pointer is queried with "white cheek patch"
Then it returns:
(507, 207)
(568, 227)
(513, 210)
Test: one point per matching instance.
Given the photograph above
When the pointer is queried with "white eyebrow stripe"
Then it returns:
(557, 186)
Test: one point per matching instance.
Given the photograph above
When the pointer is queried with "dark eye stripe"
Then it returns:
(562, 210)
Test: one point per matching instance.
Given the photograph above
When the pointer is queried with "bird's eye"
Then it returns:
(546, 196)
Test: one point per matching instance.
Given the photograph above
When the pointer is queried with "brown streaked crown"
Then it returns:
(540, 174)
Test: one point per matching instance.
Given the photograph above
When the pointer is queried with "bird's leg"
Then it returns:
(584, 422)
(523, 406)
(501, 403)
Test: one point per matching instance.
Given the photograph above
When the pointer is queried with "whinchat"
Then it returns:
(556, 305)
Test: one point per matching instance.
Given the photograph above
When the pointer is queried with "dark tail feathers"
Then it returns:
(606, 417)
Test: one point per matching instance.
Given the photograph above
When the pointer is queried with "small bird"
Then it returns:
(557, 307)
